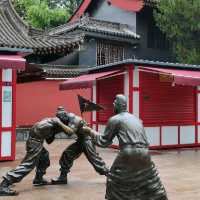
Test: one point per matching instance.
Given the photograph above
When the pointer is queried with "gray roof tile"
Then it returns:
(14, 33)
(88, 24)
(58, 71)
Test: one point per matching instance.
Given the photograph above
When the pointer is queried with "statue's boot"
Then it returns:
(62, 179)
(5, 189)
(39, 180)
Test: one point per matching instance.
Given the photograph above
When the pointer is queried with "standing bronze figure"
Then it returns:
(36, 155)
(133, 175)
(84, 144)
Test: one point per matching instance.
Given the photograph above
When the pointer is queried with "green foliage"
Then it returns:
(41, 16)
(180, 20)
(21, 6)
(45, 13)
(70, 4)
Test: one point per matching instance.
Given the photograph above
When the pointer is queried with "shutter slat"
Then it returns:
(107, 90)
(164, 103)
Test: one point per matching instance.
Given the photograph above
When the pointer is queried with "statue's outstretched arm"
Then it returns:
(103, 139)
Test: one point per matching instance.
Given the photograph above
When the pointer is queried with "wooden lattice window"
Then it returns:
(109, 53)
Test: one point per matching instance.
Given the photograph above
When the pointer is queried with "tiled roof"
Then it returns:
(59, 71)
(91, 25)
(14, 33)
(54, 71)
(147, 63)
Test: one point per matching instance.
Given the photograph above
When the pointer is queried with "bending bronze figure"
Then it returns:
(133, 174)
(84, 144)
(36, 155)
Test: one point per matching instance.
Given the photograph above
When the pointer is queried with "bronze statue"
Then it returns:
(84, 144)
(133, 174)
(36, 155)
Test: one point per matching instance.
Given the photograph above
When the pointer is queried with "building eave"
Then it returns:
(88, 26)
(48, 71)
(17, 50)
(140, 62)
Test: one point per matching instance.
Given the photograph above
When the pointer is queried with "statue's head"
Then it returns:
(120, 103)
(61, 113)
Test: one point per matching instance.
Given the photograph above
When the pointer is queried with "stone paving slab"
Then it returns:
(179, 172)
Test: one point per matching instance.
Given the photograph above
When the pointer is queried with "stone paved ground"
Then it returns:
(179, 171)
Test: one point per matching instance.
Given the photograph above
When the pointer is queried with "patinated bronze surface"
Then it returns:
(36, 155)
(133, 175)
(84, 144)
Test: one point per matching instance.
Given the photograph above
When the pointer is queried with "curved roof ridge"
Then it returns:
(96, 25)
(16, 34)
(16, 20)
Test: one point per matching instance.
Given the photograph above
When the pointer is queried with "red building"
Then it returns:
(110, 32)
(16, 36)
(9, 64)
(18, 40)
(165, 96)
(106, 31)
(121, 35)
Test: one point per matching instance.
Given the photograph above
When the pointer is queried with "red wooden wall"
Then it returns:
(106, 92)
(37, 100)
(164, 104)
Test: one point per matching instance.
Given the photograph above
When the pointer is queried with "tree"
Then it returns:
(180, 21)
(45, 13)
(70, 4)
(41, 16)
(21, 6)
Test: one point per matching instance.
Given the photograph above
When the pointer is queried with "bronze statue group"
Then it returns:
(132, 176)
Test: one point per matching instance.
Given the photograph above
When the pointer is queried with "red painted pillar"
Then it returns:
(197, 127)
(8, 114)
(130, 74)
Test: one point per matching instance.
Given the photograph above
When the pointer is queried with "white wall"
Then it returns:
(6, 143)
(126, 86)
(7, 75)
(153, 135)
(113, 14)
(6, 106)
(187, 134)
(169, 135)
